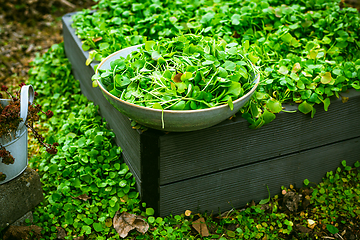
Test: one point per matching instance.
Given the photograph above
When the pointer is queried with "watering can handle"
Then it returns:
(26, 96)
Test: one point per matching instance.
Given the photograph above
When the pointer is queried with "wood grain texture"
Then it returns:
(224, 190)
(187, 155)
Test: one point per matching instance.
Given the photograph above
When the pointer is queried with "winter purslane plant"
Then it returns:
(188, 72)
(308, 51)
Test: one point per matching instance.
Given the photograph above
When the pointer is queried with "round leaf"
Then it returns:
(274, 106)
(305, 107)
(98, 227)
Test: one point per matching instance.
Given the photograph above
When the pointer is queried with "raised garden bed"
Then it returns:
(227, 165)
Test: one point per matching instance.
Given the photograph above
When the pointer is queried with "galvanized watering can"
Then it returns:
(16, 141)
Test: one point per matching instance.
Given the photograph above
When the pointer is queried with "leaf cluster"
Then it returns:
(86, 182)
(188, 72)
(308, 50)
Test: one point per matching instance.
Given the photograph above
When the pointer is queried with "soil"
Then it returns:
(28, 28)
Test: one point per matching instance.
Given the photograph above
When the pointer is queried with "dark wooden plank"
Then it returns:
(224, 190)
(187, 155)
(150, 170)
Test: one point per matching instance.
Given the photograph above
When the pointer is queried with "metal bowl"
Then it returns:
(171, 120)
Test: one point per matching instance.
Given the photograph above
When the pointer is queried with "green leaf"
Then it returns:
(98, 227)
(86, 229)
(88, 221)
(326, 78)
(207, 62)
(313, 97)
(161, 60)
(137, 6)
(357, 164)
(207, 17)
(231, 234)
(149, 45)
(300, 84)
(326, 103)
(326, 40)
(186, 76)
(222, 72)
(98, 139)
(274, 106)
(118, 63)
(343, 162)
(155, 55)
(332, 229)
(149, 211)
(268, 116)
(230, 66)
(69, 218)
(85, 47)
(103, 46)
(123, 183)
(235, 19)
(179, 106)
(230, 103)
(116, 20)
(337, 71)
(257, 124)
(306, 182)
(53, 169)
(151, 219)
(253, 58)
(115, 92)
(157, 106)
(283, 70)
(234, 89)
(305, 107)
(294, 76)
(264, 201)
(287, 38)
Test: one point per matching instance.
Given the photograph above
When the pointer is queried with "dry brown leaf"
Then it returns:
(311, 223)
(61, 234)
(236, 35)
(291, 200)
(302, 229)
(126, 222)
(108, 222)
(97, 39)
(83, 197)
(177, 77)
(200, 226)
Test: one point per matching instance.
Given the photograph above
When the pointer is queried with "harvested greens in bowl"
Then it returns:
(189, 72)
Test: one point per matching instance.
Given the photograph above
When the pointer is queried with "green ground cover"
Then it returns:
(86, 183)
(308, 51)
